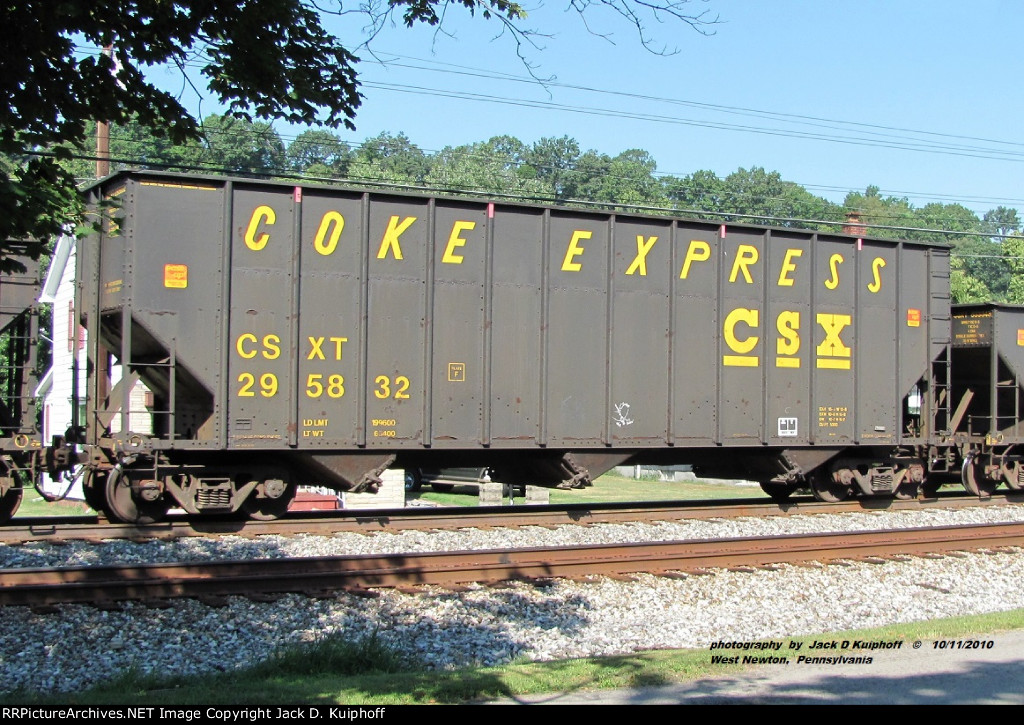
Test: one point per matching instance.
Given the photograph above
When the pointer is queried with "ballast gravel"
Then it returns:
(78, 646)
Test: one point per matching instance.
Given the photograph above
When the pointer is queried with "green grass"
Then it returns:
(613, 488)
(32, 504)
(332, 671)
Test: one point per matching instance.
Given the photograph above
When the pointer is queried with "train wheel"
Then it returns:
(826, 489)
(1013, 476)
(778, 491)
(10, 493)
(123, 505)
(972, 475)
(94, 488)
(270, 508)
(909, 480)
(9, 504)
(906, 489)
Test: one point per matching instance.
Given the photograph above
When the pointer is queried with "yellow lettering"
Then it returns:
(876, 267)
(248, 380)
(751, 318)
(456, 240)
(787, 266)
(575, 250)
(315, 388)
(642, 248)
(268, 385)
(746, 255)
(334, 222)
(247, 337)
(316, 347)
(833, 263)
(832, 349)
(788, 343)
(271, 347)
(390, 240)
(698, 251)
(260, 215)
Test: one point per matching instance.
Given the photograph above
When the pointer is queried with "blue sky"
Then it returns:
(894, 74)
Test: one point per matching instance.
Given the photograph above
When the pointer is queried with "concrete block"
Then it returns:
(391, 494)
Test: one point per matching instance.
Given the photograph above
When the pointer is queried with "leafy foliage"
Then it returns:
(1014, 250)
(231, 145)
(557, 163)
(318, 151)
(496, 166)
(965, 288)
(389, 158)
(260, 59)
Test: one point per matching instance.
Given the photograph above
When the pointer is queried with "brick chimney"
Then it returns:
(854, 226)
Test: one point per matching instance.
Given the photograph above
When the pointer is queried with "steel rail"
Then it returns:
(155, 581)
(326, 523)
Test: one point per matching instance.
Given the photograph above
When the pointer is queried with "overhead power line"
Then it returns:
(920, 146)
(876, 134)
(281, 174)
(456, 69)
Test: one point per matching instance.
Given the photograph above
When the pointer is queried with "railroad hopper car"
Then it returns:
(321, 335)
(20, 281)
(987, 396)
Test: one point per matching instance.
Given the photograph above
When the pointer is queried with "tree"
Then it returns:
(630, 180)
(763, 197)
(231, 145)
(495, 166)
(982, 259)
(887, 211)
(132, 145)
(1013, 248)
(261, 59)
(965, 288)
(948, 217)
(1001, 221)
(320, 152)
(555, 162)
(393, 159)
(700, 194)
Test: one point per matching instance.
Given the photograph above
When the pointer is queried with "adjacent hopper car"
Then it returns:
(19, 334)
(310, 334)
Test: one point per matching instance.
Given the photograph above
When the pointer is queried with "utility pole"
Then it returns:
(103, 136)
(103, 362)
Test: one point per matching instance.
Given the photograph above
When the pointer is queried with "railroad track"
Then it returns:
(98, 584)
(93, 528)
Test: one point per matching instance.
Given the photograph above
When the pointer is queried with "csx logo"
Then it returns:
(741, 324)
